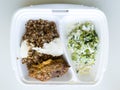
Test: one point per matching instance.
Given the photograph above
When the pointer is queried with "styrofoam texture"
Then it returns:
(99, 19)
(60, 18)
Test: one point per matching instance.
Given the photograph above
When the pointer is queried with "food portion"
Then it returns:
(39, 32)
(41, 50)
(48, 69)
(83, 45)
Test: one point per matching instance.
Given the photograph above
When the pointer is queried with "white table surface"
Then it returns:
(111, 79)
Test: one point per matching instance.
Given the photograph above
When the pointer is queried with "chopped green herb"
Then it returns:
(83, 42)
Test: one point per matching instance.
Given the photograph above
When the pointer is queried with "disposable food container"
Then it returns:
(63, 15)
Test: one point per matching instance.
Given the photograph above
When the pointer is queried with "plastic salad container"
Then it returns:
(63, 15)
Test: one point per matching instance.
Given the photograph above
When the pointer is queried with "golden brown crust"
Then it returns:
(49, 69)
(42, 66)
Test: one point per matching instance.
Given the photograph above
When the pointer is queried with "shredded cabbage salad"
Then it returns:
(83, 43)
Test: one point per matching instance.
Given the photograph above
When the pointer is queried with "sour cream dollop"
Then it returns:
(53, 48)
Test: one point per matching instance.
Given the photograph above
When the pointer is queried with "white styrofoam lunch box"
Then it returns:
(62, 15)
